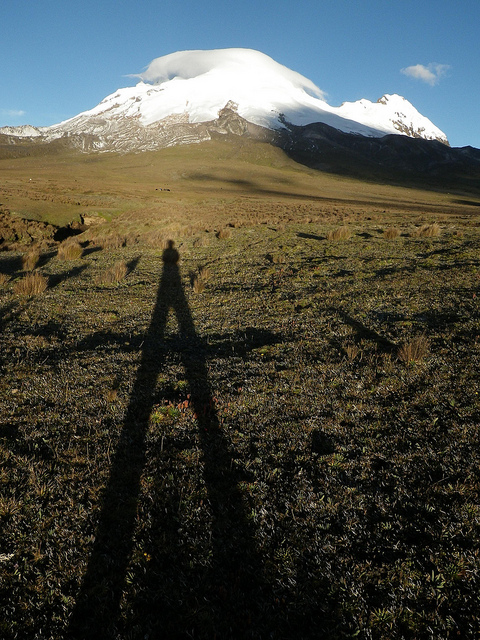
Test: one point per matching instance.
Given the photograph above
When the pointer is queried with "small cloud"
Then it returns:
(12, 113)
(430, 74)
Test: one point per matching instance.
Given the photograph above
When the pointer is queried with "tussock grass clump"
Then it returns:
(32, 284)
(69, 250)
(391, 233)
(3, 279)
(427, 231)
(115, 274)
(198, 281)
(415, 350)
(201, 241)
(351, 351)
(111, 241)
(341, 233)
(276, 258)
(30, 259)
(224, 234)
(155, 239)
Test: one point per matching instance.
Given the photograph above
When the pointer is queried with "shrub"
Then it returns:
(69, 250)
(30, 259)
(114, 274)
(32, 284)
(341, 233)
(415, 350)
(391, 233)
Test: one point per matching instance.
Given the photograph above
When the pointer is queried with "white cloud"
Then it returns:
(191, 64)
(12, 113)
(430, 74)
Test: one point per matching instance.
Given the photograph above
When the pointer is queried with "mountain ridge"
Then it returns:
(194, 86)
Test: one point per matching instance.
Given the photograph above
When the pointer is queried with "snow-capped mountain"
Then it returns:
(178, 93)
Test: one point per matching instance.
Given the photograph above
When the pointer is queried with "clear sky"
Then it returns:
(58, 58)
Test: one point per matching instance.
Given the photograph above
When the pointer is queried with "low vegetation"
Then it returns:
(292, 454)
(427, 231)
(391, 233)
(31, 284)
(341, 233)
(70, 250)
(114, 274)
(30, 259)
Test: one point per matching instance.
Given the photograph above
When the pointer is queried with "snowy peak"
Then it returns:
(192, 87)
(393, 111)
(23, 131)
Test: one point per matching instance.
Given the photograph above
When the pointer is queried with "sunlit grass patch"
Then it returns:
(224, 233)
(431, 230)
(69, 250)
(30, 259)
(340, 233)
(115, 274)
(31, 285)
(391, 233)
(200, 278)
(111, 240)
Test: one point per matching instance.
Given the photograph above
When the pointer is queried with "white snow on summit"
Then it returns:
(196, 85)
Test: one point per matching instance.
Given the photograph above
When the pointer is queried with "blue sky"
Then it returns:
(58, 58)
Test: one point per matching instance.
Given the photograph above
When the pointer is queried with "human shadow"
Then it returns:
(97, 610)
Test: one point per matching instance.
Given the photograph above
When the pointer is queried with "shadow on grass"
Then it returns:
(132, 264)
(364, 332)
(89, 250)
(223, 601)
(310, 236)
(10, 265)
(55, 279)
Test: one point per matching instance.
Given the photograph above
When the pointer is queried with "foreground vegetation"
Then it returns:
(291, 453)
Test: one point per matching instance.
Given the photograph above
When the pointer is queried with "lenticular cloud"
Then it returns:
(430, 74)
(192, 64)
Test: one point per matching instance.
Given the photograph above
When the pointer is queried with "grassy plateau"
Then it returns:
(274, 437)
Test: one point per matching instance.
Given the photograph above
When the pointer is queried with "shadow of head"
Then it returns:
(170, 255)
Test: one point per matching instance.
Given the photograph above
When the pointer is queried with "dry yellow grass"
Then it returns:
(427, 231)
(224, 234)
(114, 274)
(69, 250)
(198, 283)
(391, 233)
(415, 350)
(32, 284)
(3, 279)
(30, 259)
(341, 233)
(110, 241)
(201, 241)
